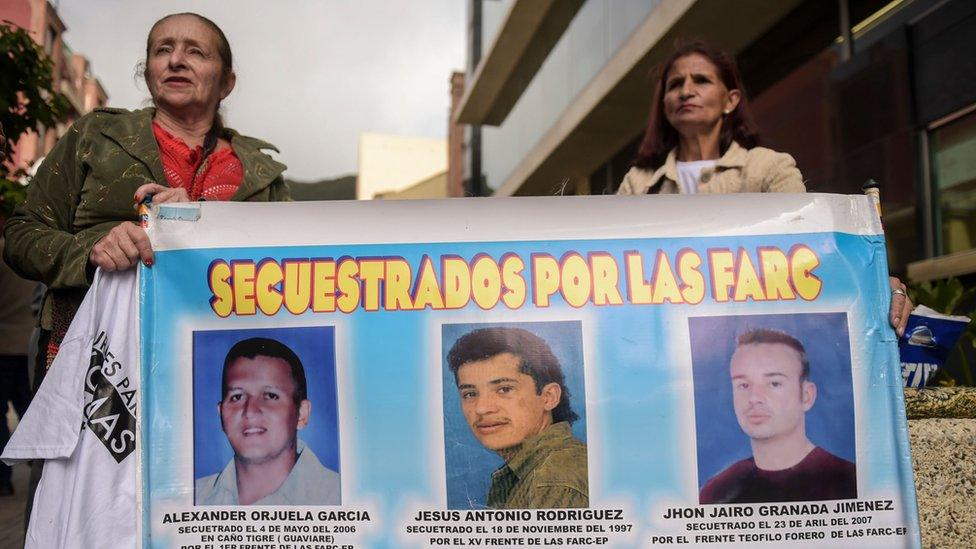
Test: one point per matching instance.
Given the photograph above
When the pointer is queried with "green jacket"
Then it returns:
(85, 187)
(548, 471)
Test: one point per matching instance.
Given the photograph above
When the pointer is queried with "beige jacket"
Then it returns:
(755, 170)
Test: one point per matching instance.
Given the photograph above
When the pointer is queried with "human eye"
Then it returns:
(741, 385)
(674, 83)
(468, 394)
(234, 397)
(163, 48)
(505, 389)
(271, 395)
(193, 50)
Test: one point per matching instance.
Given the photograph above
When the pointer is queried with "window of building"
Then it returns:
(953, 149)
(49, 38)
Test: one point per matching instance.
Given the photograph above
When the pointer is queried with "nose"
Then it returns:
(687, 88)
(250, 407)
(485, 404)
(756, 395)
(177, 58)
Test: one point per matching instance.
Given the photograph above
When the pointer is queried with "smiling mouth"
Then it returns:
(252, 431)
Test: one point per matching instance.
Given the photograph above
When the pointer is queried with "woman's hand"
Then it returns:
(901, 306)
(122, 248)
(161, 194)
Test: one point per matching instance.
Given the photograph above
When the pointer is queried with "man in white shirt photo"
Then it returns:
(263, 405)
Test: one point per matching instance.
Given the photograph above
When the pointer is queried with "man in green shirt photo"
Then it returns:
(514, 399)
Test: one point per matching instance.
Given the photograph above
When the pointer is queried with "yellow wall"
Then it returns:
(434, 187)
(392, 163)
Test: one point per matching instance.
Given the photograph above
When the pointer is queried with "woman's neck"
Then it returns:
(192, 130)
(700, 146)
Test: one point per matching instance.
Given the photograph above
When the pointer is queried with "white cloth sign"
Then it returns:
(83, 423)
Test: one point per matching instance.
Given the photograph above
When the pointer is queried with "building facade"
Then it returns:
(72, 75)
(557, 94)
(455, 141)
(399, 166)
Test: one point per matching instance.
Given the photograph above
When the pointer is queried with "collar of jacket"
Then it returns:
(532, 450)
(734, 157)
(132, 130)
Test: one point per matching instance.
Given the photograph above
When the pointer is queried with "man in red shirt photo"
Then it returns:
(771, 393)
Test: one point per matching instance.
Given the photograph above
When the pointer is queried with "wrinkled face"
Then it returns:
(184, 69)
(694, 96)
(258, 411)
(501, 404)
(769, 397)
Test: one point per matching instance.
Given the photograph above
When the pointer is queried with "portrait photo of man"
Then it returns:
(513, 397)
(264, 404)
(769, 375)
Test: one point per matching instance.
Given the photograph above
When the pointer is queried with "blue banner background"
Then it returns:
(636, 354)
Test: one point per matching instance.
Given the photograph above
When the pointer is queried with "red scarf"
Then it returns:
(215, 178)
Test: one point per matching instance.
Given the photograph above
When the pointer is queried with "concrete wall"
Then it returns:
(391, 163)
(434, 187)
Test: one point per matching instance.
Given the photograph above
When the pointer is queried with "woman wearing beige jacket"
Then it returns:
(701, 139)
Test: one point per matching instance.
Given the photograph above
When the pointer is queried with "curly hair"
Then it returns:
(535, 359)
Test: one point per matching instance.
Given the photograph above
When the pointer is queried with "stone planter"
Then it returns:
(942, 429)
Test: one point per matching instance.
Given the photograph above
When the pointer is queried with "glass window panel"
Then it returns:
(954, 177)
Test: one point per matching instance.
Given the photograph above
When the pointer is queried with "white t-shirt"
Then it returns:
(689, 174)
(83, 423)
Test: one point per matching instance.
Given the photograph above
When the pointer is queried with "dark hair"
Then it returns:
(261, 346)
(660, 136)
(769, 335)
(227, 67)
(535, 359)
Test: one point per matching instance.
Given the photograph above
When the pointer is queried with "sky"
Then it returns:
(311, 74)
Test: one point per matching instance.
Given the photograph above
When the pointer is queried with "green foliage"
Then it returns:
(11, 192)
(27, 99)
(947, 297)
(340, 188)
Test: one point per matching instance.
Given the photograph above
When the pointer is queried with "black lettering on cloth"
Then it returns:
(107, 415)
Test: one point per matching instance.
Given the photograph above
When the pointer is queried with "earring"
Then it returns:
(727, 111)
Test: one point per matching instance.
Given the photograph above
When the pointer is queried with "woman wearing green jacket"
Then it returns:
(79, 212)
